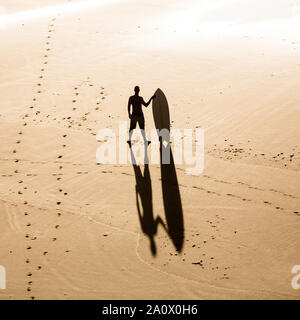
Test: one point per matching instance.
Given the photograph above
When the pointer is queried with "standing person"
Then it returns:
(137, 115)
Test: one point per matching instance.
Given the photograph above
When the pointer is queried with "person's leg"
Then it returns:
(142, 128)
(130, 134)
(132, 127)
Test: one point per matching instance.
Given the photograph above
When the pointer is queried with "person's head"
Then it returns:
(136, 89)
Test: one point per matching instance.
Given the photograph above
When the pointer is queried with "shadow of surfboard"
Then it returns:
(170, 188)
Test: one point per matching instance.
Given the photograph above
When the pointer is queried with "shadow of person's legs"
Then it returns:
(144, 203)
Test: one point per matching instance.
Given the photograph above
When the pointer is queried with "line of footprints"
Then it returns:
(70, 123)
(30, 267)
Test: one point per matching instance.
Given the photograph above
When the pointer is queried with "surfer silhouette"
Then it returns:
(137, 115)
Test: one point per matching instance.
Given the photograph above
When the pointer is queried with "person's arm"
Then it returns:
(129, 104)
(147, 104)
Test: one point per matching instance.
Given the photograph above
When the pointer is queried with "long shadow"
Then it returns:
(170, 189)
(172, 199)
(143, 190)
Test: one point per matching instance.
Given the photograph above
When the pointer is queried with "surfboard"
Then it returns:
(170, 188)
(160, 109)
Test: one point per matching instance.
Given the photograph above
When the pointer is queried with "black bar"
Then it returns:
(146, 309)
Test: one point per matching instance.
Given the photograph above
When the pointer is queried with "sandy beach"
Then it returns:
(69, 226)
